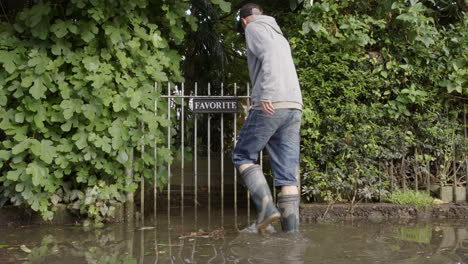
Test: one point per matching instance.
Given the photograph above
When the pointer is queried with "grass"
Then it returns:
(420, 200)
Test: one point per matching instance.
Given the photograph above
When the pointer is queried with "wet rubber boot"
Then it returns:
(289, 208)
(260, 194)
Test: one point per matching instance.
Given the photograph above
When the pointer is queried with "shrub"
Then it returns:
(76, 87)
(417, 199)
(383, 87)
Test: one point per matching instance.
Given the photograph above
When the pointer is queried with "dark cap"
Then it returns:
(245, 11)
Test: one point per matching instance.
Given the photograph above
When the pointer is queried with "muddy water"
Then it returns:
(214, 238)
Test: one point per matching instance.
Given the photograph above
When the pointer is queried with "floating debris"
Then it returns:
(215, 234)
(25, 249)
(146, 228)
(438, 201)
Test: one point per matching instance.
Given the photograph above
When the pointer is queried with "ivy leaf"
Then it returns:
(72, 28)
(115, 132)
(20, 133)
(158, 41)
(40, 117)
(39, 63)
(122, 157)
(3, 99)
(60, 47)
(19, 187)
(41, 31)
(165, 154)
(91, 63)
(88, 31)
(45, 151)
(62, 161)
(98, 80)
(69, 107)
(67, 126)
(225, 6)
(27, 80)
(65, 146)
(79, 3)
(114, 34)
(8, 59)
(119, 103)
(89, 111)
(34, 15)
(20, 147)
(135, 98)
(13, 175)
(407, 17)
(293, 4)
(39, 173)
(38, 89)
(87, 35)
(80, 140)
(60, 28)
(5, 154)
(315, 26)
(308, 25)
(68, 113)
(103, 143)
(178, 33)
(19, 117)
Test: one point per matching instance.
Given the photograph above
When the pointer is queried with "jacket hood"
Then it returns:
(269, 21)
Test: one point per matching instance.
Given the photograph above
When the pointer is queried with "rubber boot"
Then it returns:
(260, 194)
(289, 208)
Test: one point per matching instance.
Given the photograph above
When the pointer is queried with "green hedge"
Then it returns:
(384, 84)
(77, 92)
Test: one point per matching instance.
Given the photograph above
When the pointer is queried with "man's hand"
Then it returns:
(268, 108)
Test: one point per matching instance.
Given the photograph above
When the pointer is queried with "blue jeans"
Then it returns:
(279, 133)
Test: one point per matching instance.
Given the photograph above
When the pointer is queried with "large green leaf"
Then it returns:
(39, 173)
(224, 5)
(119, 103)
(89, 111)
(45, 150)
(38, 89)
(5, 154)
(8, 59)
(116, 132)
(39, 62)
(20, 147)
(14, 175)
(60, 28)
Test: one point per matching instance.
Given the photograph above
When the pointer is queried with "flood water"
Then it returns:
(212, 237)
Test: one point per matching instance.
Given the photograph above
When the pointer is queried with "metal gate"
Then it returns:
(190, 102)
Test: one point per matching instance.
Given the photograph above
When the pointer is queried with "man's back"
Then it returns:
(271, 66)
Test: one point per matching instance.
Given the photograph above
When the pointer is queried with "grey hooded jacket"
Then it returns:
(271, 66)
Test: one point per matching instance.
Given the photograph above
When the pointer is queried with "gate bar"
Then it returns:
(155, 168)
(142, 177)
(195, 152)
(466, 158)
(235, 170)
(222, 161)
(169, 147)
(248, 192)
(183, 156)
(209, 162)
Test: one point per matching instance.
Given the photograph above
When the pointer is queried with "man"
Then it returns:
(273, 121)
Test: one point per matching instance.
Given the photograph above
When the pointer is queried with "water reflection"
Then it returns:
(171, 239)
